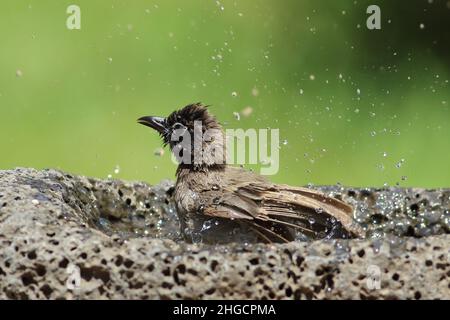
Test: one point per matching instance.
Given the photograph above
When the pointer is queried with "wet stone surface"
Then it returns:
(123, 241)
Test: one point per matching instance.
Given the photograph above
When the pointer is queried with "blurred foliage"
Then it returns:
(351, 103)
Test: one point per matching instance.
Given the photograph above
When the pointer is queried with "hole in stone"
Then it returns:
(46, 290)
(181, 268)
(210, 291)
(97, 272)
(214, 265)
(128, 263)
(361, 253)
(28, 278)
(166, 272)
(351, 193)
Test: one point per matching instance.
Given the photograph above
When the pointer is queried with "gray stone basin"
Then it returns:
(71, 237)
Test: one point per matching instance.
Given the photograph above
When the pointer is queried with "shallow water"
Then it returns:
(142, 211)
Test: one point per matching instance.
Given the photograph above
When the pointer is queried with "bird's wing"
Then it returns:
(264, 205)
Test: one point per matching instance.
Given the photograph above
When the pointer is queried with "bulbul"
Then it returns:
(207, 187)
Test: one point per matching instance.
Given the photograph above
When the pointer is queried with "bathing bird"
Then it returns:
(206, 186)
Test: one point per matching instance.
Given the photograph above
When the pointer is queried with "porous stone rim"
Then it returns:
(34, 264)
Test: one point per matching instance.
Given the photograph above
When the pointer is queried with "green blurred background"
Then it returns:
(355, 106)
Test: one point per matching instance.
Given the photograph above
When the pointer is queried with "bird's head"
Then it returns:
(192, 133)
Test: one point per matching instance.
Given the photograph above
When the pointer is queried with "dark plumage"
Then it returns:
(213, 188)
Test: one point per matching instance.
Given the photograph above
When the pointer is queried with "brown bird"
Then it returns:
(207, 187)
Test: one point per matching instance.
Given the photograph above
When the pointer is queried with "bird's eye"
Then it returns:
(178, 125)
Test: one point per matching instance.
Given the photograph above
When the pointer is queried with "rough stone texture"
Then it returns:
(123, 237)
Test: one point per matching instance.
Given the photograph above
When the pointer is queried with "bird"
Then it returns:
(208, 187)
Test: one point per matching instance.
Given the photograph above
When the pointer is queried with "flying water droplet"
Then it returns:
(400, 163)
(247, 111)
(159, 152)
(206, 225)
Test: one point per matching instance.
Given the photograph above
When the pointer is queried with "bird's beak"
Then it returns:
(157, 123)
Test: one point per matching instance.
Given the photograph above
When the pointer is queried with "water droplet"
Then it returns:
(221, 7)
(237, 116)
(400, 163)
(206, 225)
(234, 94)
(196, 237)
(247, 111)
(159, 152)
